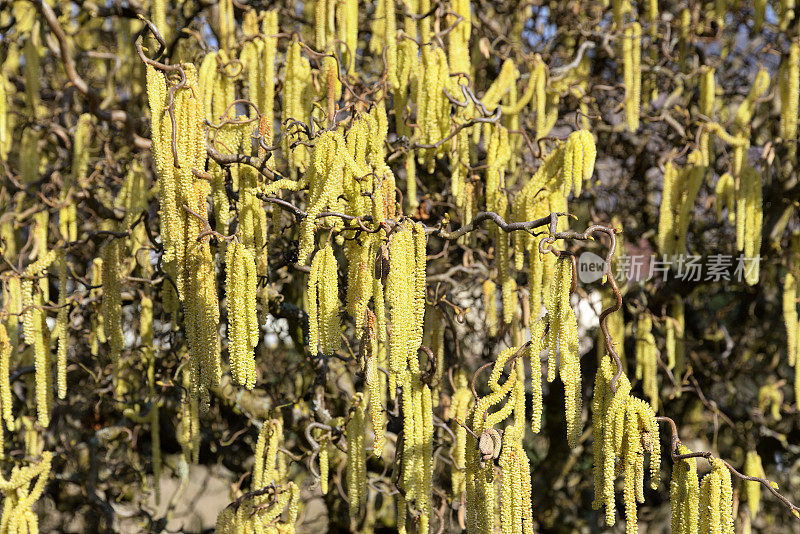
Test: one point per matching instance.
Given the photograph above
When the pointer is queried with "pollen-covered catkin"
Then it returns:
(791, 292)
(490, 305)
(647, 358)
(535, 353)
(62, 326)
(790, 92)
(400, 285)
(668, 210)
(725, 197)
(752, 488)
(562, 340)
(460, 404)
(749, 215)
(356, 457)
(6, 400)
(716, 500)
(328, 294)
(684, 494)
(34, 330)
(243, 330)
(323, 466)
(632, 73)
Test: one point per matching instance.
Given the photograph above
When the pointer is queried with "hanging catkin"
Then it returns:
(562, 340)
(323, 303)
(647, 358)
(632, 74)
(62, 326)
(356, 457)
(243, 331)
(35, 331)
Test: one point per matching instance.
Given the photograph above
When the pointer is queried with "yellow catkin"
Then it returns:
(323, 466)
(67, 215)
(632, 73)
(34, 329)
(325, 179)
(360, 262)
(725, 197)
(297, 92)
(535, 352)
(668, 210)
(375, 383)
(243, 330)
(752, 489)
(112, 306)
(745, 110)
(21, 493)
(400, 285)
(459, 407)
(515, 508)
(749, 215)
(146, 334)
(6, 98)
(562, 340)
(328, 292)
(62, 326)
(490, 306)
(647, 358)
(6, 400)
(790, 295)
(458, 40)
(716, 500)
(789, 89)
(356, 457)
(684, 494)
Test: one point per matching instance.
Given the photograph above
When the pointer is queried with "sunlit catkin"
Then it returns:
(752, 488)
(535, 354)
(6, 400)
(790, 296)
(490, 305)
(323, 302)
(632, 73)
(296, 97)
(243, 331)
(647, 358)
(562, 339)
(34, 329)
(112, 298)
(356, 457)
(716, 500)
(400, 285)
(725, 197)
(789, 82)
(749, 215)
(684, 494)
(460, 403)
(62, 327)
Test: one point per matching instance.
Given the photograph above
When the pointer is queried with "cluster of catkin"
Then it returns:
(564, 169)
(485, 444)
(738, 191)
(557, 333)
(562, 340)
(187, 258)
(701, 506)
(20, 492)
(241, 287)
(272, 504)
(624, 429)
